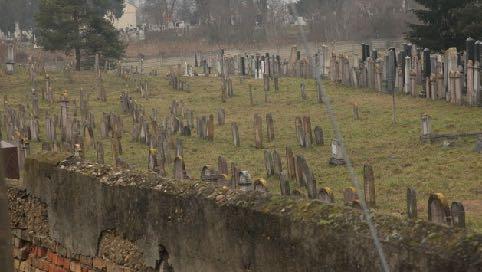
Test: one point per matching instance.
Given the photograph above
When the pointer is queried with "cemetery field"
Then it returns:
(395, 152)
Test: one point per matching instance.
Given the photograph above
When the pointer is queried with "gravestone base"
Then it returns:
(334, 161)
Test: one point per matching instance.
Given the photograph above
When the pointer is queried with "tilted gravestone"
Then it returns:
(411, 203)
(326, 195)
(284, 184)
(305, 176)
(300, 135)
(307, 131)
(318, 132)
(369, 185)
(438, 209)
(458, 214)
(258, 131)
(235, 134)
(290, 163)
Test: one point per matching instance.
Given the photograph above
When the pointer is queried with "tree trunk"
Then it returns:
(77, 58)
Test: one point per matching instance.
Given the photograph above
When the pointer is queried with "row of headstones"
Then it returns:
(446, 76)
(177, 83)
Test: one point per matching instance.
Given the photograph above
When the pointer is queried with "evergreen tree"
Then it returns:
(80, 25)
(440, 26)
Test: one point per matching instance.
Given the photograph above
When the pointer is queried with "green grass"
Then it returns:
(398, 157)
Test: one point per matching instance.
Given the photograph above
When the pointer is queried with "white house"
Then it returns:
(128, 19)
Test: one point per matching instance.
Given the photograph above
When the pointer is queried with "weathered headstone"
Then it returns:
(303, 91)
(356, 112)
(458, 214)
(369, 185)
(222, 165)
(411, 203)
(350, 196)
(221, 117)
(260, 185)
(100, 152)
(210, 128)
(438, 209)
(258, 131)
(277, 164)
(235, 134)
(270, 127)
(268, 163)
(284, 184)
(319, 136)
(290, 163)
(305, 176)
(326, 195)
(337, 157)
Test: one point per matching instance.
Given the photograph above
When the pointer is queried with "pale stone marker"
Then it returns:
(337, 157)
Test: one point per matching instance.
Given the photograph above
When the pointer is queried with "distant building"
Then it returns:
(128, 19)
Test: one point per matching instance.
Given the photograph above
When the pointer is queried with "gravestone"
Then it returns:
(260, 185)
(458, 214)
(244, 181)
(411, 203)
(319, 136)
(303, 91)
(210, 128)
(152, 160)
(251, 101)
(426, 128)
(478, 145)
(277, 164)
(268, 163)
(319, 92)
(210, 175)
(337, 157)
(290, 163)
(235, 134)
(221, 117)
(305, 176)
(356, 112)
(350, 196)
(326, 195)
(179, 149)
(300, 134)
(100, 152)
(369, 185)
(308, 139)
(179, 169)
(438, 209)
(222, 166)
(258, 131)
(270, 127)
(284, 184)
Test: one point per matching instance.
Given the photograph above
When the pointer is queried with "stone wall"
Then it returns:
(87, 217)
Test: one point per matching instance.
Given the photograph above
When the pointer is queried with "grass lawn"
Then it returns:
(398, 157)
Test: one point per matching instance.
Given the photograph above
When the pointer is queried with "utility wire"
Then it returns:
(334, 123)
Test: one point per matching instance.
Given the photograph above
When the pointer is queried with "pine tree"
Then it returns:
(80, 25)
(439, 26)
